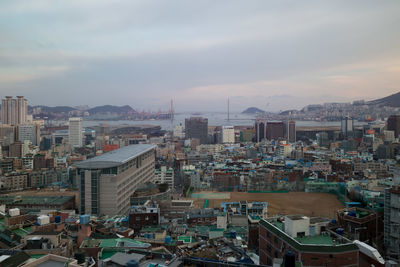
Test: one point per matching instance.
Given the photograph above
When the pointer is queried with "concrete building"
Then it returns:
(75, 135)
(29, 132)
(14, 181)
(275, 130)
(389, 136)
(197, 127)
(7, 134)
(145, 215)
(178, 131)
(164, 176)
(392, 222)
(228, 135)
(107, 182)
(261, 130)
(291, 132)
(14, 110)
(347, 126)
(393, 124)
(307, 239)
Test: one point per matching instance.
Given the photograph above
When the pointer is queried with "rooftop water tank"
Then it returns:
(84, 219)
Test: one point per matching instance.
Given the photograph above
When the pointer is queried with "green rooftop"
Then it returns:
(318, 243)
(107, 254)
(108, 243)
(185, 239)
(316, 240)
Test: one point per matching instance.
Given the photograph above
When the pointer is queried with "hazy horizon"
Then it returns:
(270, 55)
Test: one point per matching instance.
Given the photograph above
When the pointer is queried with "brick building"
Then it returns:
(308, 239)
(145, 215)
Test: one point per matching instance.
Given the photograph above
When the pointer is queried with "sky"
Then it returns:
(274, 55)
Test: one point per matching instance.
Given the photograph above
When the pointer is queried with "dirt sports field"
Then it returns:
(311, 204)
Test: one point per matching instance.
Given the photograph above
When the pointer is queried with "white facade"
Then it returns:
(178, 132)
(75, 135)
(297, 225)
(164, 176)
(228, 135)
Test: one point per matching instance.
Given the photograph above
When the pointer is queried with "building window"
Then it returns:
(275, 240)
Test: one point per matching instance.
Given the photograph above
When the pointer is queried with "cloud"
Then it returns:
(198, 53)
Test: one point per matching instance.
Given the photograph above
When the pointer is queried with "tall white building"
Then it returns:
(228, 135)
(164, 176)
(75, 136)
(14, 110)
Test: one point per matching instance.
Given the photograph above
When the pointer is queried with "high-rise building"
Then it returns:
(107, 182)
(347, 126)
(291, 131)
(14, 110)
(29, 132)
(393, 124)
(197, 127)
(228, 135)
(261, 130)
(75, 135)
(392, 220)
(275, 130)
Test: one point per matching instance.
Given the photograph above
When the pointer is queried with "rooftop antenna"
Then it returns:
(228, 109)
(172, 111)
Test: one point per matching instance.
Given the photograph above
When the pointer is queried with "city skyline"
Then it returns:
(144, 54)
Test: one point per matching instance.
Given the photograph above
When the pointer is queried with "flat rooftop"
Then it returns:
(34, 200)
(309, 240)
(116, 157)
(317, 243)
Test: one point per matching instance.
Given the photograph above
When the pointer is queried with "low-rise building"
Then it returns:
(308, 239)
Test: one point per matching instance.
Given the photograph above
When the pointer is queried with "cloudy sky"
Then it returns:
(271, 54)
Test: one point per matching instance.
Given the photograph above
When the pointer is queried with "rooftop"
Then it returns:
(35, 200)
(317, 243)
(116, 157)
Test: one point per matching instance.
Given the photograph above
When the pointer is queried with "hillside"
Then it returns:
(253, 110)
(391, 101)
(111, 109)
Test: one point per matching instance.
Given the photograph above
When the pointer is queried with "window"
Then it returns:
(275, 240)
(301, 234)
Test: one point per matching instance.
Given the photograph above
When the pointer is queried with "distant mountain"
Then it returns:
(391, 101)
(253, 110)
(111, 109)
(57, 109)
